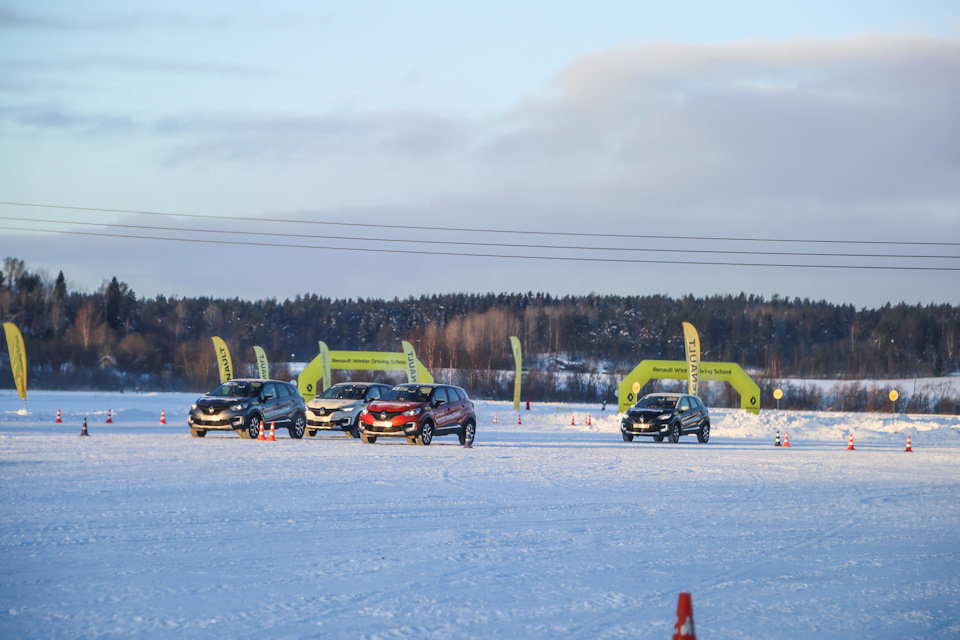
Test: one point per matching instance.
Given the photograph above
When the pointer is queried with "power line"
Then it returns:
(481, 244)
(487, 255)
(479, 230)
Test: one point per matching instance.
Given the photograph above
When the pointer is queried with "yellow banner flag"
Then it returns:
(223, 359)
(691, 345)
(327, 365)
(18, 358)
(518, 358)
(263, 368)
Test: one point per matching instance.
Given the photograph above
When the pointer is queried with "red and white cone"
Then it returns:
(850, 446)
(683, 629)
(589, 424)
(573, 421)
(109, 416)
(58, 416)
(786, 438)
(519, 421)
(273, 434)
(908, 444)
(494, 418)
(263, 433)
(163, 416)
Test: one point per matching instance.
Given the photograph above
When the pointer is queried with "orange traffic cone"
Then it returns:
(273, 435)
(589, 424)
(263, 433)
(109, 416)
(494, 418)
(573, 421)
(850, 446)
(908, 444)
(83, 431)
(683, 629)
(786, 438)
(163, 416)
(519, 421)
(58, 416)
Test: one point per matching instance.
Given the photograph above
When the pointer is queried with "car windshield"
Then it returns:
(238, 389)
(344, 392)
(407, 394)
(657, 402)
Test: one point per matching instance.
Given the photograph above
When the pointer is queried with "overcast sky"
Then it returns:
(619, 131)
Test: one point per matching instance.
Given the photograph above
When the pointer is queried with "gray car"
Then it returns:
(246, 405)
(669, 415)
(338, 407)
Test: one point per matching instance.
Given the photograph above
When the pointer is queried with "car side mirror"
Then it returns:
(266, 397)
(437, 402)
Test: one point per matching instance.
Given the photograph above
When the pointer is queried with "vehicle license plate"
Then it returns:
(382, 423)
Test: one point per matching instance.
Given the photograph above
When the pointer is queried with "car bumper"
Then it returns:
(329, 423)
(402, 430)
(224, 421)
(645, 429)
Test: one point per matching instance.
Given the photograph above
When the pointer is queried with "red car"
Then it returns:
(420, 412)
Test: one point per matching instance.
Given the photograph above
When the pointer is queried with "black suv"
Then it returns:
(418, 412)
(247, 405)
(666, 414)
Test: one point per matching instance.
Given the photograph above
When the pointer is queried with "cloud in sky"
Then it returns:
(838, 137)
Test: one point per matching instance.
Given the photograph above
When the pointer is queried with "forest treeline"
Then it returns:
(575, 347)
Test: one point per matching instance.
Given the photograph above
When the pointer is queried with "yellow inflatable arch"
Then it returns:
(677, 370)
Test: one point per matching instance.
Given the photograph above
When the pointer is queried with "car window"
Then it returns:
(440, 393)
(282, 391)
(270, 389)
(407, 393)
(657, 402)
(234, 389)
(461, 394)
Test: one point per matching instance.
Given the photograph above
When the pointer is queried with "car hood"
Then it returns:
(394, 407)
(221, 401)
(331, 403)
(648, 413)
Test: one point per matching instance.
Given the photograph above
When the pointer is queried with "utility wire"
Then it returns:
(481, 244)
(475, 230)
(487, 255)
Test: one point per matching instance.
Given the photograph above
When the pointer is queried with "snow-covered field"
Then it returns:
(542, 530)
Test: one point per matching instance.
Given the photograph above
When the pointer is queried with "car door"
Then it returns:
(269, 403)
(441, 407)
(687, 413)
(284, 403)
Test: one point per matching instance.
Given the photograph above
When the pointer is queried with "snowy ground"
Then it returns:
(542, 530)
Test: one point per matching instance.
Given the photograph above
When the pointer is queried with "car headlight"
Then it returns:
(243, 406)
(194, 406)
(663, 417)
(364, 412)
(348, 409)
(412, 412)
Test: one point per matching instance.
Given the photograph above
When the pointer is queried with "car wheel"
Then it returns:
(253, 429)
(468, 433)
(674, 435)
(354, 431)
(198, 433)
(367, 439)
(627, 437)
(704, 434)
(299, 426)
(426, 433)
(658, 438)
